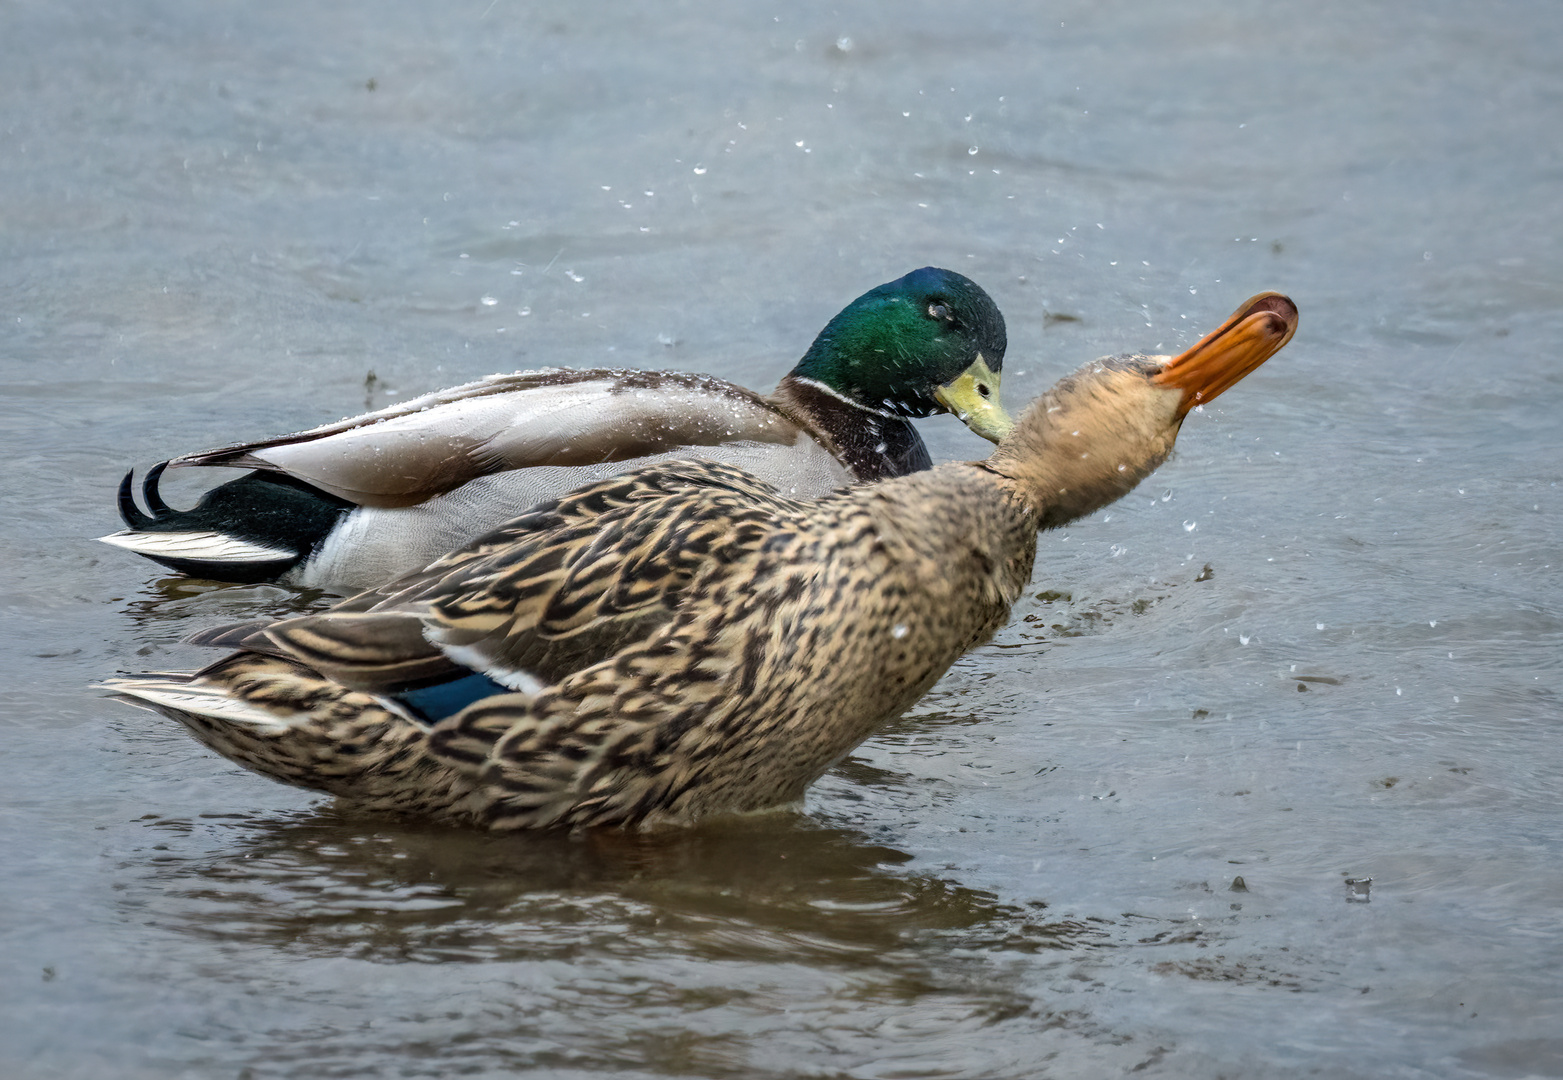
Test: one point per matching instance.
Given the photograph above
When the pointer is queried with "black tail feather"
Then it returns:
(149, 493)
(267, 509)
(129, 512)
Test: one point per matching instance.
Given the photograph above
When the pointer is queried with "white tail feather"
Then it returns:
(205, 546)
(208, 701)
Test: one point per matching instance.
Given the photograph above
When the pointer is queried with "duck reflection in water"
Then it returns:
(784, 886)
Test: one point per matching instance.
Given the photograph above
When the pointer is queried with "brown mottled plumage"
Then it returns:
(682, 640)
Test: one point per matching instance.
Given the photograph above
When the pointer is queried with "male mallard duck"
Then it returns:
(353, 504)
(683, 640)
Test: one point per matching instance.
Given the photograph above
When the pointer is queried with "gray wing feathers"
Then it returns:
(410, 453)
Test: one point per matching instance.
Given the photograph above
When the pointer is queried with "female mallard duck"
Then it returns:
(353, 504)
(683, 640)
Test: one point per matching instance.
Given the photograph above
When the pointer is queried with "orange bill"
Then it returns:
(1255, 332)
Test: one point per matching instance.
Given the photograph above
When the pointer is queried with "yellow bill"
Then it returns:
(973, 396)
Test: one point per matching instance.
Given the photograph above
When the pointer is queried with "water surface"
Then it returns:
(1323, 642)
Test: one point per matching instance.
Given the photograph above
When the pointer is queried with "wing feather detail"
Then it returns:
(552, 592)
(411, 452)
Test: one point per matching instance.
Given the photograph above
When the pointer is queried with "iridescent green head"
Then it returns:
(931, 341)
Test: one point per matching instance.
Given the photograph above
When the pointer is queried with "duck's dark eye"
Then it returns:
(937, 310)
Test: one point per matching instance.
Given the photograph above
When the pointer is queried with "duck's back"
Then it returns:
(400, 487)
(375, 545)
(781, 657)
(429, 446)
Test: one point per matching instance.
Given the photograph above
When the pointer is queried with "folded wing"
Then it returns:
(413, 451)
(568, 584)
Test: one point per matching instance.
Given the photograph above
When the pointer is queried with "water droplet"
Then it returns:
(1188, 526)
(1432, 622)
(700, 170)
(573, 276)
(1242, 639)
(972, 150)
(523, 311)
(490, 301)
(844, 44)
(898, 631)
(1318, 626)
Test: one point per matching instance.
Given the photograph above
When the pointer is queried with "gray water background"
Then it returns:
(218, 219)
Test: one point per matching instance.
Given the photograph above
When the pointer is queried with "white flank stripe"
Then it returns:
(468, 657)
(208, 546)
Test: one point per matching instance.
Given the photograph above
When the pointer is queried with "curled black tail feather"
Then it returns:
(129, 512)
(282, 518)
(149, 493)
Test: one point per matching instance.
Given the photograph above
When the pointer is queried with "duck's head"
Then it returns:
(929, 342)
(1090, 439)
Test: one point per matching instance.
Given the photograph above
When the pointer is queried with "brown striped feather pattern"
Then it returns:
(682, 640)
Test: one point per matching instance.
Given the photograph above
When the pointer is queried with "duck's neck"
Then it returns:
(1088, 441)
(874, 444)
